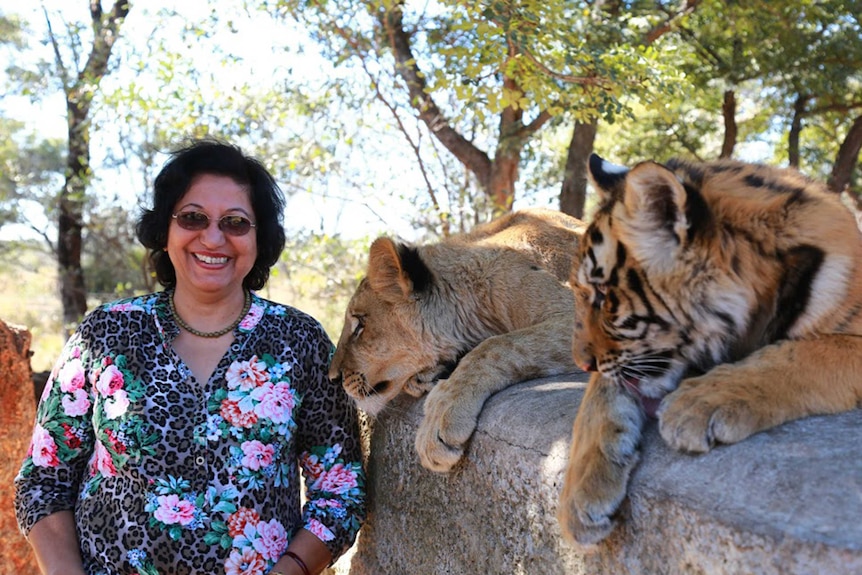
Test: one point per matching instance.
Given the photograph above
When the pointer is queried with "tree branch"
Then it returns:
(687, 8)
(406, 67)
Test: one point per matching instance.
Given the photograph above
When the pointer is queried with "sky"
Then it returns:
(259, 41)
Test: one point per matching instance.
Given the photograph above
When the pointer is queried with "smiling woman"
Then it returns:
(192, 411)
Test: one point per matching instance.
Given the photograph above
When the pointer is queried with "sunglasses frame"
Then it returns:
(225, 228)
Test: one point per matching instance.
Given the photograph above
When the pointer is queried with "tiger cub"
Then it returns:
(722, 298)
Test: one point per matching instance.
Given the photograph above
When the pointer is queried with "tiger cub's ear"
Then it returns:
(654, 214)
(607, 178)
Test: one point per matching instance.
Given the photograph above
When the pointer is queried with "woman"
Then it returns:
(171, 431)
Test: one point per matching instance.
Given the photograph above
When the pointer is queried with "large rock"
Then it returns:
(784, 502)
(17, 412)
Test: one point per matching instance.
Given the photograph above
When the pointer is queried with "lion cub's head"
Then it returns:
(387, 344)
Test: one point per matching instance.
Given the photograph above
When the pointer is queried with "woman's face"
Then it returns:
(212, 261)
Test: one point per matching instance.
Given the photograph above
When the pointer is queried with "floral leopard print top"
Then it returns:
(168, 475)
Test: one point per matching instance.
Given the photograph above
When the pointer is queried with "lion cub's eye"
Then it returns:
(358, 324)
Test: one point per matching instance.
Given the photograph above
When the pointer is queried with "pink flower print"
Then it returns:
(239, 519)
(172, 510)
(117, 404)
(76, 404)
(271, 541)
(276, 402)
(312, 465)
(246, 375)
(257, 454)
(43, 448)
(320, 530)
(252, 317)
(338, 479)
(231, 413)
(71, 376)
(110, 381)
(245, 562)
(101, 461)
(327, 503)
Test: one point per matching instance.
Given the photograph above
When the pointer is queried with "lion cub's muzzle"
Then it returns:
(356, 385)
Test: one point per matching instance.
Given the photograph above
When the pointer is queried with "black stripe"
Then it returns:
(698, 214)
(845, 323)
(801, 266)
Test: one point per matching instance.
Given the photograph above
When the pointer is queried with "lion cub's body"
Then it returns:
(729, 292)
(489, 308)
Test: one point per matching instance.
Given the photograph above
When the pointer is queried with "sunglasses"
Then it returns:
(231, 225)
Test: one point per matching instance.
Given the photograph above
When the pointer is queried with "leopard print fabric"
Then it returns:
(166, 474)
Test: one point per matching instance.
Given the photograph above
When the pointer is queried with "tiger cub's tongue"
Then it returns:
(650, 404)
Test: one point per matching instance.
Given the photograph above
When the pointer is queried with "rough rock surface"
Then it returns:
(786, 501)
(17, 412)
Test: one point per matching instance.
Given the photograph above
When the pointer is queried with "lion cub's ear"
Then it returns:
(395, 271)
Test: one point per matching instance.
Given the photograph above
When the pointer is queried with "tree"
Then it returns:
(80, 87)
(484, 79)
(78, 71)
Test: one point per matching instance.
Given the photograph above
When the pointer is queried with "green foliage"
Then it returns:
(319, 273)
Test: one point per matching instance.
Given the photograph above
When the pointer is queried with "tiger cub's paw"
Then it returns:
(704, 411)
(604, 452)
(592, 493)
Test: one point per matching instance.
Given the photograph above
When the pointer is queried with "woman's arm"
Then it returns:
(310, 550)
(330, 456)
(55, 542)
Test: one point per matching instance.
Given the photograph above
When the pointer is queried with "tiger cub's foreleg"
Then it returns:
(778, 383)
(604, 450)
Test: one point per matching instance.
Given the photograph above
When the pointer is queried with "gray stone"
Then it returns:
(786, 501)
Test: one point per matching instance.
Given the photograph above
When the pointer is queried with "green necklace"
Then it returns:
(219, 333)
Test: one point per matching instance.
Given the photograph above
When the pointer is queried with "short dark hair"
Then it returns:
(215, 157)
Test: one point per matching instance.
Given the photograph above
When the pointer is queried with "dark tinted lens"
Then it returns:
(234, 225)
(195, 221)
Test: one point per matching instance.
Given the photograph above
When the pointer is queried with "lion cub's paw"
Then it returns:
(700, 414)
(447, 426)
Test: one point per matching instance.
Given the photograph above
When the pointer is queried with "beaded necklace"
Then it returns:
(219, 333)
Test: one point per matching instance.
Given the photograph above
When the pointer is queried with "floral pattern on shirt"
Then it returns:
(181, 475)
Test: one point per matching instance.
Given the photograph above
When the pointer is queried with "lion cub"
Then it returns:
(460, 319)
(724, 298)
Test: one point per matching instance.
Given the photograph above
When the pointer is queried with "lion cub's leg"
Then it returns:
(778, 383)
(452, 407)
(604, 450)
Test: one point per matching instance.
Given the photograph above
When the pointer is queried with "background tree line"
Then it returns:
(418, 118)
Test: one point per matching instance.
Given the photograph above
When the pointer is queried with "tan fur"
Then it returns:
(496, 303)
(721, 297)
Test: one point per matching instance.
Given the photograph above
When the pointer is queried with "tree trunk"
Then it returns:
(70, 225)
(573, 195)
(845, 161)
(728, 111)
(79, 97)
(796, 130)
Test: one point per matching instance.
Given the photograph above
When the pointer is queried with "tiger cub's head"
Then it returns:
(644, 289)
